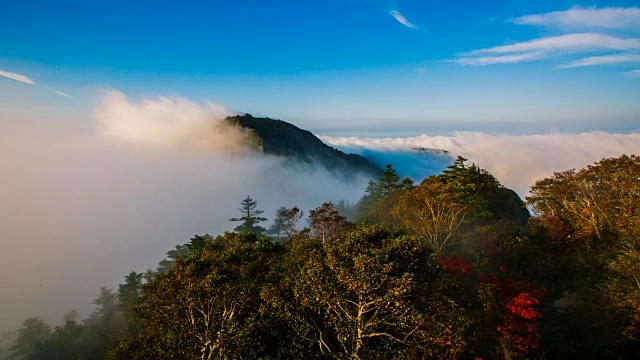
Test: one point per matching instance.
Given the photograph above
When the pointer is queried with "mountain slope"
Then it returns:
(279, 138)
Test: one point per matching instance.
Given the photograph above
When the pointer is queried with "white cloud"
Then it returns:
(17, 77)
(120, 204)
(580, 32)
(619, 18)
(633, 73)
(500, 59)
(516, 161)
(169, 123)
(566, 43)
(603, 60)
(26, 80)
(546, 47)
(63, 94)
(401, 19)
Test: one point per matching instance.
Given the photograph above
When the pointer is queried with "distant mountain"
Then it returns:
(279, 138)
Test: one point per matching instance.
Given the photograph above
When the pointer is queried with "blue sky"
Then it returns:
(335, 66)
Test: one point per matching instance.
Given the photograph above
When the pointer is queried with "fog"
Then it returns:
(82, 206)
(517, 161)
(87, 200)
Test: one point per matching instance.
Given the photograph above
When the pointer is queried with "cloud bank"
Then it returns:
(82, 207)
(168, 123)
(516, 161)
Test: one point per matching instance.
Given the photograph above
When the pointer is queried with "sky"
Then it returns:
(111, 145)
(337, 66)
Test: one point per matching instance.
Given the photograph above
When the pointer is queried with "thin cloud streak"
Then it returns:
(566, 43)
(63, 94)
(545, 47)
(60, 93)
(502, 59)
(580, 32)
(603, 60)
(615, 18)
(17, 77)
(401, 19)
(23, 79)
(633, 73)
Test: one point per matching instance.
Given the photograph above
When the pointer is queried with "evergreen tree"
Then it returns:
(172, 255)
(130, 290)
(250, 217)
(379, 190)
(197, 242)
(33, 333)
(388, 181)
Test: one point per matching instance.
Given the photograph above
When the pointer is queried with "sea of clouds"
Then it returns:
(517, 161)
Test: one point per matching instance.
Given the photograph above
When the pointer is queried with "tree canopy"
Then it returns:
(450, 268)
(250, 217)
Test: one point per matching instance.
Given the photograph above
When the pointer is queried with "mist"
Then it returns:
(517, 161)
(82, 206)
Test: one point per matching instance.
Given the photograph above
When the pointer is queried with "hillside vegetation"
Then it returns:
(451, 268)
(280, 138)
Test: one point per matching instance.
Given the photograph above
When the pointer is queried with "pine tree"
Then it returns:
(388, 181)
(250, 217)
(130, 290)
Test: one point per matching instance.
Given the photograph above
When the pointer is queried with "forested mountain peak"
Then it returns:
(280, 138)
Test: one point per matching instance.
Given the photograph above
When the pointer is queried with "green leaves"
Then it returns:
(357, 293)
(249, 217)
(208, 304)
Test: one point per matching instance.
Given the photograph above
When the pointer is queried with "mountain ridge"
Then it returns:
(283, 139)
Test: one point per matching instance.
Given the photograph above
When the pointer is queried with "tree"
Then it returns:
(179, 251)
(33, 333)
(129, 291)
(379, 190)
(197, 242)
(589, 219)
(326, 222)
(600, 202)
(388, 181)
(288, 221)
(71, 315)
(207, 306)
(487, 199)
(69, 341)
(104, 324)
(250, 217)
(358, 295)
(433, 211)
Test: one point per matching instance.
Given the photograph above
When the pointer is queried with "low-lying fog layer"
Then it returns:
(81, 209)
(82, 206)
(517, 161)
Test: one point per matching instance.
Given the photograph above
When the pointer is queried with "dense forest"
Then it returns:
(452, 267)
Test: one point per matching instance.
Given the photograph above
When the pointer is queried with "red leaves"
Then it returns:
(518, 329)
(456, 265)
